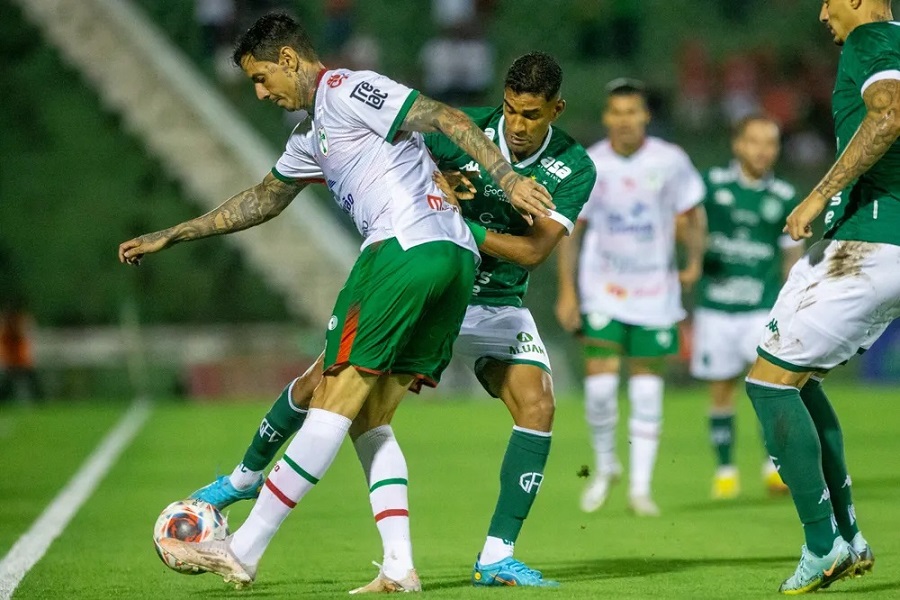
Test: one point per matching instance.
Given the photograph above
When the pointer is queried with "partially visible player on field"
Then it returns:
(499, 338)
(840, 297)
(747, 258)
(627, 301)
(400, 311)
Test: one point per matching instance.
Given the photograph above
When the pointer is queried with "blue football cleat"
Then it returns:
(508, 571)
(220, 493)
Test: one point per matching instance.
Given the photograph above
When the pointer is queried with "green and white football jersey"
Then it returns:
(869, 209)
(742, 265)
(561, 165)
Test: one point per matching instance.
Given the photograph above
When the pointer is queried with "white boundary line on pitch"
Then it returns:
(33, 544)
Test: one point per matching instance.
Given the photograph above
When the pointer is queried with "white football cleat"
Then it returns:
(214, 556)
(597, 491)
(643, 506)
(385, 585)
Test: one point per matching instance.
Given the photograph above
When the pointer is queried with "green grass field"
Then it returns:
(697, 549)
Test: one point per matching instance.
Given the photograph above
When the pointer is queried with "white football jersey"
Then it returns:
(627, 268)
(379, 175)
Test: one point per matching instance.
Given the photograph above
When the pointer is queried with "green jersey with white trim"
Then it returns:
(742, 266)
(561, 165)
(869, 209)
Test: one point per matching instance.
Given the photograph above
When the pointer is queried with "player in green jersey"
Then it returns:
(747, 258)
(499, 338)
(840, 297)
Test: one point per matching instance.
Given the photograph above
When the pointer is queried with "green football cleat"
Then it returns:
(814, 572)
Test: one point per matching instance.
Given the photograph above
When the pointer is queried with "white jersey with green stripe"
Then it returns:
(379, 175)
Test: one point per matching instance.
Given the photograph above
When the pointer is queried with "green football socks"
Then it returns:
(834, 466)
(520, 479)
(721, 433)
(281, 422)
(793, 444)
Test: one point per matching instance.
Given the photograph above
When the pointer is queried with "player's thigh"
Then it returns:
(344, 392)
(603, 341)
(717, 352)
(838, 299)
(494, 336)
(526, 390)
(444, 287)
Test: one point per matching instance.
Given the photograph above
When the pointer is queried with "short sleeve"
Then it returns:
(571, 196)
(786, 242)
(298, 162)
(685, 187)
(376, 102)
(874, 54)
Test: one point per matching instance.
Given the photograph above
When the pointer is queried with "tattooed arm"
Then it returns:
(878, 131)
(246, 209)
(427, 115)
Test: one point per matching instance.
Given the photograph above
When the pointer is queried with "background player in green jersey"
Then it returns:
(747, 258)
(840, 297)
(499, 338)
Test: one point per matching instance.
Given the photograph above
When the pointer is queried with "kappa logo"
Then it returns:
(332, 322)
(323, 142)
(524, 336)
(531, 482)
(773, 326)
(826, 496)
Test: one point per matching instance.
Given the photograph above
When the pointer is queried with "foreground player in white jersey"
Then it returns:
(396, 318)
(627, 301)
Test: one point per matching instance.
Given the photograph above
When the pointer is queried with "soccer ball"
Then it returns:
(189, 521)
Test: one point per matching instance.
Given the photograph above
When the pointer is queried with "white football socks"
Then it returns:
(645, 393)
(306, 460)
(602, 413)
(387, 476)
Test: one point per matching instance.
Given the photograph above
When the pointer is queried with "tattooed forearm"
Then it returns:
(427, 115)
(244, 210)
(878, 131)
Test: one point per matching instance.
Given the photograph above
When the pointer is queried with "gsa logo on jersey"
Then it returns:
(332, 322)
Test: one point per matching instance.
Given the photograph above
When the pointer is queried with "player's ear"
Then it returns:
(287, 57)
(558, 108)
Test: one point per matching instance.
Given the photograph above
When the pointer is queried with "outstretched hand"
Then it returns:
(132, 251)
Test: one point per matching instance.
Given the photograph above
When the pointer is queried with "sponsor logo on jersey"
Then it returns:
(556, 168)
(485, 217)
(771, 209)
(525, 348)
(724, 197)
(323, 142)
(531, 482)
(471, 169)
(368, 94)
(616, 290)
(492, 191)
(635, 222)
(346, 203)
(524, 336)
(741, 216)
(490, 133)
(336, 80)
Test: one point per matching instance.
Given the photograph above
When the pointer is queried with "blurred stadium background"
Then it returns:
(123, 116)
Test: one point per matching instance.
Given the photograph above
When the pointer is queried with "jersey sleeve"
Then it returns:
(375, 102)
(874, 54)
(298, 162)
(685, 186)
(572, 195)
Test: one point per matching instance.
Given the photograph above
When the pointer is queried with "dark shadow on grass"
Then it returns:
(861, 587)
(614, 568)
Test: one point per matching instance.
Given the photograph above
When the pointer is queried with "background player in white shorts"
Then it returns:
(628, 298)
(747, 258)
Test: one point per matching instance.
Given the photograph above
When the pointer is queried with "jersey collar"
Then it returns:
(742, 180)
(504, 150)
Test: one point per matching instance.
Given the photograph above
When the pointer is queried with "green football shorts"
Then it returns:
(605, 337)
(400, 310)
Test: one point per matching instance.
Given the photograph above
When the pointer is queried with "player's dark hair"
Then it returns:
(265, 39)
(625, 86)
(535, 73)
(740, 127)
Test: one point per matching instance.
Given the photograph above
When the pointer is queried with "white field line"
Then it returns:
(33, 544)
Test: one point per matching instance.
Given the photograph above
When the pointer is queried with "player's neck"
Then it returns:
(749, 178)
(308, 82)
(625, 149)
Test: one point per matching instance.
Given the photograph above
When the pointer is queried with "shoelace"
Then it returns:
(520, 567)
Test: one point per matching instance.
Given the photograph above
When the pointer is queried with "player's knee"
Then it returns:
(767, 372)
(535, 409)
